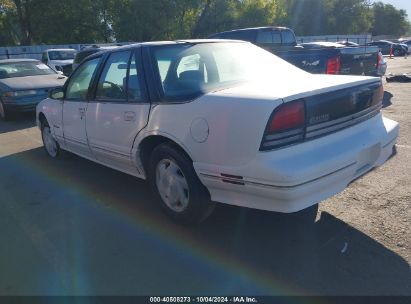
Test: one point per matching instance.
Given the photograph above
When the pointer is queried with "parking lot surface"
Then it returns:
(73, 227)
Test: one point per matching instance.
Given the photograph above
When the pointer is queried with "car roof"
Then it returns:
(98, 47)
(255, 28)
(18, 60)
(158, 43)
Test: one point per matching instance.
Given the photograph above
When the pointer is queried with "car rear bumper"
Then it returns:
(294, 178)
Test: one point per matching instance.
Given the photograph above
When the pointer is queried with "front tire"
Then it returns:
(50, 144)
(177, 186)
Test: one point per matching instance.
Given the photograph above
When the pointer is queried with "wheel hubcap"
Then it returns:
(49, 142)
(172, 185)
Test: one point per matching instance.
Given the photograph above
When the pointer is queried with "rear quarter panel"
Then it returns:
(235, 127)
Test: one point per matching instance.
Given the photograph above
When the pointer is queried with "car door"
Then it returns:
(118, 111)
(75, 108)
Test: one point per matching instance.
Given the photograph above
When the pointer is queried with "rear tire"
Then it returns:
(51, 146)
(177, 187)
(397, 52)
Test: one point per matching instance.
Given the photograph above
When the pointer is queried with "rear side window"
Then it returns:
(264, 37)
(113, 80)
(288, 37)
(268, 37)
(237, 35)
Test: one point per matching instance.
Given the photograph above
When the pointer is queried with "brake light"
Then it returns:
(288, 116)
(378, 95)
(379, 60)
(333, 65)
(286, 126)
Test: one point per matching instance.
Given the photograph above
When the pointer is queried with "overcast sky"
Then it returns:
(400, 4)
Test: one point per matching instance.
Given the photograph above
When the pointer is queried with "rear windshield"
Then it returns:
(61, 55)
(246, 35)
(190, 70)
(22, 69)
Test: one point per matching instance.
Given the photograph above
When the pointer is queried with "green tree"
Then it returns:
(389, 21)
(8, 29)
(215, 16)
(259, 13)
(351, 17)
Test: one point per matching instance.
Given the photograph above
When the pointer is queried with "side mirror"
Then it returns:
(60, 72)
(56, 93)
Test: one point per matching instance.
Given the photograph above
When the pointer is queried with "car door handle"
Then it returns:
(82, 112)
(129, 116)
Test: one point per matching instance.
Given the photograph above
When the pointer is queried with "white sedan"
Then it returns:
(210, 121)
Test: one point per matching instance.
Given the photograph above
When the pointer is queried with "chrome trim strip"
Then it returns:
(111, 151)
(283, 134)
(282, 141)
(247, 182)
(341, 126)
(343, 119)
(76, 141)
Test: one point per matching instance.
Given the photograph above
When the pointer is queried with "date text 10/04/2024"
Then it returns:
(203, 300)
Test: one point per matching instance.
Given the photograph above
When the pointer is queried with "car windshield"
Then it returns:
(190, 70)
(24, 68)
(61, 55)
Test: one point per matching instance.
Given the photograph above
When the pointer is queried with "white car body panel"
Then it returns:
(105, 122)
(74, 128)
(222, 131)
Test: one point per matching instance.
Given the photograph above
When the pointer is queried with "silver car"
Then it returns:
(24, 83)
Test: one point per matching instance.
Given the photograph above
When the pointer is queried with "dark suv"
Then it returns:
(87, 51)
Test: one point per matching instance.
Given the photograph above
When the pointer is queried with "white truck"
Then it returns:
(60, 60)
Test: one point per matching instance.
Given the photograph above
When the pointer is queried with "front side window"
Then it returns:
(288, 37)
(264, 37)
(79, 82)
(113, 80)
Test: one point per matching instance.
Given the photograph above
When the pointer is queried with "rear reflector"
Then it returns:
(333, 65)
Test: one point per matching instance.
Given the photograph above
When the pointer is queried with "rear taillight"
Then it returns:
(378, 95)
(286, 126)
(333, 65)
(379, 60)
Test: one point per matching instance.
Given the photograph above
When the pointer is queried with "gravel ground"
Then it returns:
(379, 204)
(72, 227)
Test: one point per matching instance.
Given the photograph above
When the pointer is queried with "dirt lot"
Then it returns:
(74, 227)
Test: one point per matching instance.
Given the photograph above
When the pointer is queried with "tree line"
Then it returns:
(27, 22)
